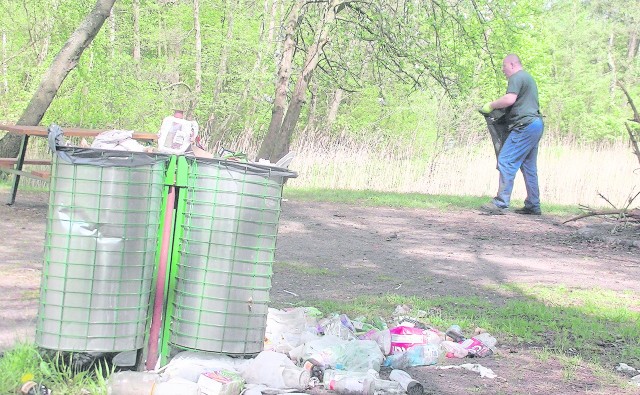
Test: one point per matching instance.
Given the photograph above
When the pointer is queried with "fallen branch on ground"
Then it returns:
(620, 213)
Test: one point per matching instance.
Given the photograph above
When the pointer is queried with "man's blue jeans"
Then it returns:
(520, 151)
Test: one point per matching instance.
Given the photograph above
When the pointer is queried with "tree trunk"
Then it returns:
(632, 48)
(4, 70)
(282, 82)
(174, 52)
(612, 64)
(112, 33)
(65, 61)
(137, 53)
(334, 106)
(159, 46)
(270, 49)
(276, 143)
(312, 119)
(212, 122)
(47, 26)
(198, 65)
(240, 107)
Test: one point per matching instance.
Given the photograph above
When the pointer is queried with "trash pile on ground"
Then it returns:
(303, 350)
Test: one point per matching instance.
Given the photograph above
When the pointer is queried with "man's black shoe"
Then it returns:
(527, 211)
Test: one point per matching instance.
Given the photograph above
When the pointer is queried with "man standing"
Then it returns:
(520, 150)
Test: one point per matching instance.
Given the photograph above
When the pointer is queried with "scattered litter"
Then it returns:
(304, 350)
(474, 367)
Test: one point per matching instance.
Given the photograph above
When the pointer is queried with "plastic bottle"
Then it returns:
(411, 386)
(275, 370)
(131, 383)
(404, 337)
(315, 367)
(455, 333)
(383, 338)
(453, 349)
(360, 325)
(360, 356)
(476, 347)
(487, 339)
(339, 325)
(387, 387)
(334, 375)
(418, 355)
(407, 321)
(380, 323)
(353, 386)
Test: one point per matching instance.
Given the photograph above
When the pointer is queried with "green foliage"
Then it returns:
(397, 64)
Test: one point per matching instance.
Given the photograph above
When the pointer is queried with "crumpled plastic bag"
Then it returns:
(474, 367)
(287, 329)
(352, 355)
(275, 370)
(190, 365)
(120, 140)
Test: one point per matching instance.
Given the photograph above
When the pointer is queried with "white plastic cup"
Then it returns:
(131, 383)
(388, 387)
(295, 377)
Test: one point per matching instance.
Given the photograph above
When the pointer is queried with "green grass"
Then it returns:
(24, 363)
(594, 326)
(302, 268)
(408, 200)
(21, 360)
(26, 185)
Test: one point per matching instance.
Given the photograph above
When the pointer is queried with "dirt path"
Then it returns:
(374, 251)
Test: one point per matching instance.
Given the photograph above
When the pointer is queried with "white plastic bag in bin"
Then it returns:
(176, 135)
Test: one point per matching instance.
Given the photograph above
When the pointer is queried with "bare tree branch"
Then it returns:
(620, 213)
(636, 116)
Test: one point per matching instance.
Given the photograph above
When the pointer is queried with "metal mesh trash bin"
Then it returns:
(227, 252)
(101, 241)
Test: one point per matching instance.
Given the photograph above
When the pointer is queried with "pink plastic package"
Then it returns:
(403, 337)
(476, 348)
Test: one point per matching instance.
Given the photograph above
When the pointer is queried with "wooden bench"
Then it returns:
(14, 165)
(10, 162)
(7, 165)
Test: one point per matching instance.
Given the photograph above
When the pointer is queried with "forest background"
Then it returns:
(377, 95)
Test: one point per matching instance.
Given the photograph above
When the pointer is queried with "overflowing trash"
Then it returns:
(304, 350)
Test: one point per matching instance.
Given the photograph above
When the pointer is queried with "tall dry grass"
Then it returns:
(569, 173)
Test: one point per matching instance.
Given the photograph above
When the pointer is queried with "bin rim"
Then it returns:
(252, 167)
(108, 158)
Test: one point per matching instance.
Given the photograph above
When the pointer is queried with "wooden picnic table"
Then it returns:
(6, 164)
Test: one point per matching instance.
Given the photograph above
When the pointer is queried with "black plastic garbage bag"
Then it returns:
(498, 128)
